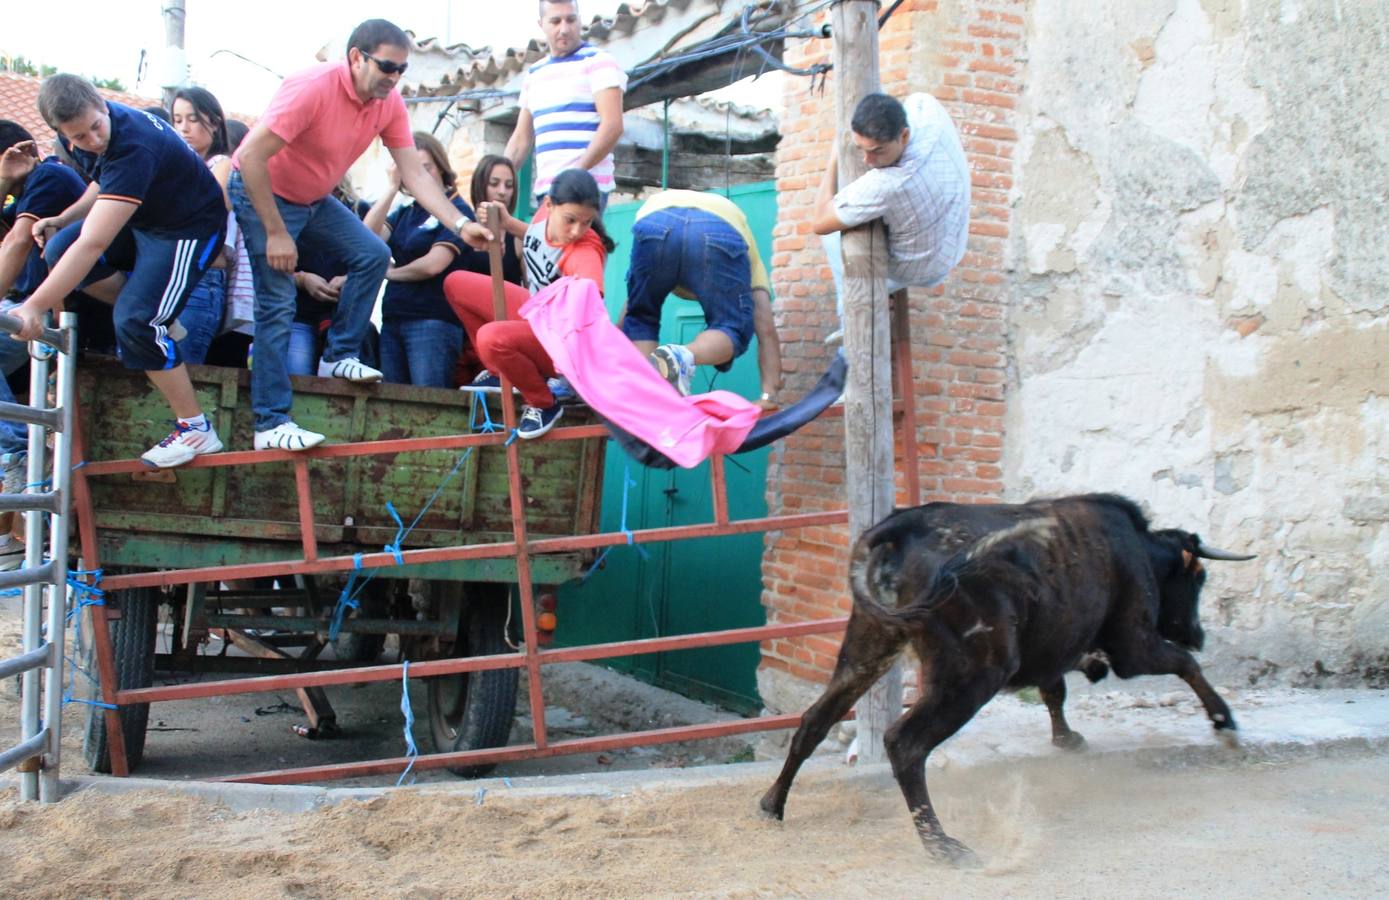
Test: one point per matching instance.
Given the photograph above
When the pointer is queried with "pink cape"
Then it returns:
(613, 377)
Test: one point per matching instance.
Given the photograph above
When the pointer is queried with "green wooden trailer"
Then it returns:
(245, 514)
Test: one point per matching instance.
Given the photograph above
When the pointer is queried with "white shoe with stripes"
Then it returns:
(287, 436)
(349, 369)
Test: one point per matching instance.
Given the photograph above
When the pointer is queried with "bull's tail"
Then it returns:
(875, 567)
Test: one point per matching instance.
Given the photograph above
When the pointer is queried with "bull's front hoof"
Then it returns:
(770, 808)
(1071, 741)
(949, 851)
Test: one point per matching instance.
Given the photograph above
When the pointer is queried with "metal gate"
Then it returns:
(531, 658)
(37, 755)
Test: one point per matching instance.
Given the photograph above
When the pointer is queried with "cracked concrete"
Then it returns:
(1202, 303)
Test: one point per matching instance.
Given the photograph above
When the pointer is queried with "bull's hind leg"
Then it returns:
(948, 703)
(867, 652)
(1054, 695)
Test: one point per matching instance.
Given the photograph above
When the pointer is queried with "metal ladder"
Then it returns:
(38, 752)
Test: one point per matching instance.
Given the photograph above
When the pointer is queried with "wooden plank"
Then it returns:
(868, 475)
(314, 700)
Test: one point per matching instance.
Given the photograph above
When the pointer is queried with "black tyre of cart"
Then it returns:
(132, 644)
(374, 603)
(475, 710)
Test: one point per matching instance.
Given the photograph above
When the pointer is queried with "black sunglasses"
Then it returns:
(386, 66)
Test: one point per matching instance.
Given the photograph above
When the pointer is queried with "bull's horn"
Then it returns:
(1216, 553)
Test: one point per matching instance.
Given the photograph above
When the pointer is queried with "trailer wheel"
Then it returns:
(475, 710)
(375, 603)
(132, 644)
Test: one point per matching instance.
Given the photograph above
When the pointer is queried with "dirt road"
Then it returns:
(1054, 827)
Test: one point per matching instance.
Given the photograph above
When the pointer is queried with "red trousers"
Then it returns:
(507, 348)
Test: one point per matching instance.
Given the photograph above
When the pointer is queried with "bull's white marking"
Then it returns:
(1038, 530)
(978, 628)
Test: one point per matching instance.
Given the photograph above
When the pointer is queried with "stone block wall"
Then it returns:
(1201, 304)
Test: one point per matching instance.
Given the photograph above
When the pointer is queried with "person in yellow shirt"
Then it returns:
(699, 247)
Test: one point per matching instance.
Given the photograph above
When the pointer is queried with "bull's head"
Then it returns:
(1176, 557)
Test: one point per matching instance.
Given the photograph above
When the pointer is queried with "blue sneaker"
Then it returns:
(564, 391)
(535, 422)
(484, 383)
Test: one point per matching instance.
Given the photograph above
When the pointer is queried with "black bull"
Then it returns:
(1008, 596)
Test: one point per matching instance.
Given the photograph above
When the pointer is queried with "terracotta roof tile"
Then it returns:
(19, 96)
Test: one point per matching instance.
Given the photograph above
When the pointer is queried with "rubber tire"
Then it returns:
(132, 643)
(475, 710)
(365, 648)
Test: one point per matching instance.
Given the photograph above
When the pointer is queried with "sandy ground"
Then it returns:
(1056, 827)
(1156, 808)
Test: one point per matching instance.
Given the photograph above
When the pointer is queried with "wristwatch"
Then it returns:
(458, 226)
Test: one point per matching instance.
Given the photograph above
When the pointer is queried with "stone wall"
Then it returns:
(1200, 312)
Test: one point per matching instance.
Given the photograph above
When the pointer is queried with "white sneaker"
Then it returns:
(11, 554)
(349, 369)
(16, 469)
(182, 444)
(287, 436)
(676, 365)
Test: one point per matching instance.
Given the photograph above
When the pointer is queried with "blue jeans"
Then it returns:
(420, 351)
(14, 437)
(303, 349)
(326, 227)
(700, 253)
(202, 315)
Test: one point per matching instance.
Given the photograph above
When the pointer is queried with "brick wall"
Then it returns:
(966, 54)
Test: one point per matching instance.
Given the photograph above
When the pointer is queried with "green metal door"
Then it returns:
(688, 586)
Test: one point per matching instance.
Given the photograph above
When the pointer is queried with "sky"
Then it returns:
(279, 35)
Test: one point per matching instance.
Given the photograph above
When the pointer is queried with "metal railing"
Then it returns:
(40, 664)
(521, 548)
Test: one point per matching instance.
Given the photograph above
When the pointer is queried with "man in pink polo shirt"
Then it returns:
(318, 124)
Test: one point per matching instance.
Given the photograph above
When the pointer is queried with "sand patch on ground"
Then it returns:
(1060, 826)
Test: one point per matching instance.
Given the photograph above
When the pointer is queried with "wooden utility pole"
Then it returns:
(868, 475)
(175, 62)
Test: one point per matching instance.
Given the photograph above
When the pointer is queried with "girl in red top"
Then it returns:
(566, 238)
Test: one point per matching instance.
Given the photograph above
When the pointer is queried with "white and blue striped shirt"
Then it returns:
(559, 94)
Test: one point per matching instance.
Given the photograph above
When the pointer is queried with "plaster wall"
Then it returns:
(1201, 303)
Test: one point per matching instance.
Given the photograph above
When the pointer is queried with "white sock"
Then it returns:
(199, 422)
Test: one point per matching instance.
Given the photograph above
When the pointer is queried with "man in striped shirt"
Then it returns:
(571, 105)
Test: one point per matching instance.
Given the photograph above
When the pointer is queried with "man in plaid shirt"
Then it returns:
(917, 182)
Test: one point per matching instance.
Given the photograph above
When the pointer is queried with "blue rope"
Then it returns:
(394, 546)
(347, 599)
(511, 438)
(486, 426)
(88, 594)
(411, 750)
(628, 482)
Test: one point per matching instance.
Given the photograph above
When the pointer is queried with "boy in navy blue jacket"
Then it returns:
(144, 175)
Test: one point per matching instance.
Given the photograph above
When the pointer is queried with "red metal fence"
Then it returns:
(531, 657)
